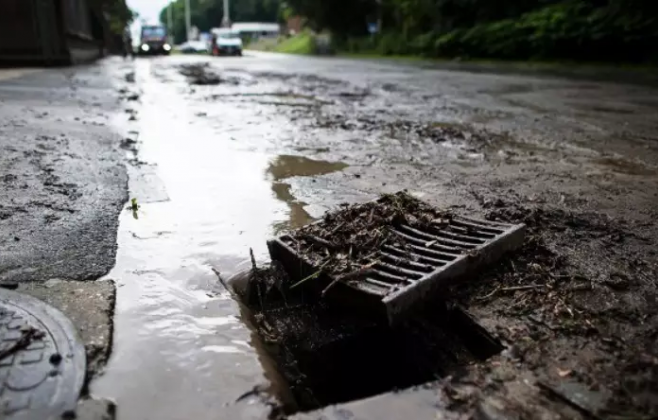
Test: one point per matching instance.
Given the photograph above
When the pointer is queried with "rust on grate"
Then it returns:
(411, 270)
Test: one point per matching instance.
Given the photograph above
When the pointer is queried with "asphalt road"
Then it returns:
(219, 168)
(63, 176)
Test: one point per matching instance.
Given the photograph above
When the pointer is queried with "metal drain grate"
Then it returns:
(410, 270)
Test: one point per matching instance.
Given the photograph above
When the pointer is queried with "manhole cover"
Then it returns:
(42, 361)
(398, 252)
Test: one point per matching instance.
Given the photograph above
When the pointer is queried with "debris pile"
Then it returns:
(347, 241)
(329, 354)
(199, 74)
(390, 255)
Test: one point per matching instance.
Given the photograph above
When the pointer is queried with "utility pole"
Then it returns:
(188, 20)
(170, 23)
(226, 21)
(379, 16)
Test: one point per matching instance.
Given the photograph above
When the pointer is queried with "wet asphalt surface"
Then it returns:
(59, 169)
(217, 169)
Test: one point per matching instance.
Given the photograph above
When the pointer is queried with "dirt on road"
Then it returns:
(574, 160)
(227, 153)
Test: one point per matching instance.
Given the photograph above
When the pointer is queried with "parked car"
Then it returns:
(228, 42)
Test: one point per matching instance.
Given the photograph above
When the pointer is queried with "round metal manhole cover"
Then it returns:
(42, 361)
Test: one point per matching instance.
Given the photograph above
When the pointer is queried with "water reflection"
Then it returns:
(288, 166)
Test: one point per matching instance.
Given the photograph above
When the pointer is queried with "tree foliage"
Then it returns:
(207, 14)
(118, 13)
(578, 29)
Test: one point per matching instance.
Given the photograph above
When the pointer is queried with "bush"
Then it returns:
(567, 31)
(302, 43)
(423, 44)
(571, 30)
(392, 44)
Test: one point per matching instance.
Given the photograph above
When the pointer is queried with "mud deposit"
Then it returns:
(570, 314)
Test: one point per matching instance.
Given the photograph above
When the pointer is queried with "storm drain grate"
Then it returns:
(413, 265)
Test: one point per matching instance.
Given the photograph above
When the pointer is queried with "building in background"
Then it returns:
(52, 32)
(254, 30)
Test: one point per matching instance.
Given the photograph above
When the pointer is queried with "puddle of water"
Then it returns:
(288, 166)
(181, 349)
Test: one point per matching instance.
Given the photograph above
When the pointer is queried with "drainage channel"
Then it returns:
(180, 347)
(327, 355)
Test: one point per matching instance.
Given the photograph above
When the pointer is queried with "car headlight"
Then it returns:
(166, 47)
(145, 47)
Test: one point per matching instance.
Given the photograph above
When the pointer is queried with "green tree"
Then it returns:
(120, 15)
(208, 14)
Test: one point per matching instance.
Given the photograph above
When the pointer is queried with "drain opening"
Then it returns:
(327, 355)
(354, 305)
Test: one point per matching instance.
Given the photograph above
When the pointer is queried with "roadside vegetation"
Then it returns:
(591, 30)
(547, 30)
(303, 43)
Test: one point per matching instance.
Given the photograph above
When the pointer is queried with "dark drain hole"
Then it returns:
(327, 356)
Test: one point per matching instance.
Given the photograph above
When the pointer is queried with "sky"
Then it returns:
(148, 9)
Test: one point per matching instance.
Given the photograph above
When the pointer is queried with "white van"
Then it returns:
(228, 42)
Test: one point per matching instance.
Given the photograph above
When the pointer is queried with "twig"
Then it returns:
(363, 271)
(334, 230)
(516, 288)
(223, 282)
(580, 287)
(487, 296)
(253, 260)
(257, 390)
(256, 279)
(312, 276)
(319, 241)
(24, 341)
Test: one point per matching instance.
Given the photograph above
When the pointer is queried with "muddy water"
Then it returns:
(287, 166)
(181, 349)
